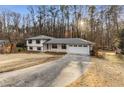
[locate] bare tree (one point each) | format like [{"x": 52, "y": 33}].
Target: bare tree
[{"x": 100, "y": 24}]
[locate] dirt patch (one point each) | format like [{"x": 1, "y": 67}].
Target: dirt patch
[{"x": 103, "y": 73}]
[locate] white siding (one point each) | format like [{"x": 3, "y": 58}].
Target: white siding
[
  {"x": 34, "y": 45},
  {"x": 34, "y": 48},
  {"x": 58, "y": 49},
  {"x": 69, "y": 49}
]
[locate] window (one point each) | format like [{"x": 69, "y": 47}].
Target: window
[
  {"x": 70, "y": 45},
  {"x": 79, "y": 45},
  {"x": 29, "y": 41},
  {"x": 47, "y": 46},
  {"x": 37, "y": 41},
  {"x": 30, "y": 48},
  {"x": 75, "y": 45},
  {"x": 63, "y": 46},
  {"x": 54, "y": 45},
  {"x": 38, "y": 48},
  {"x": 84, "y": 45}
]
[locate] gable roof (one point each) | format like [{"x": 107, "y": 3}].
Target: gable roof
[
  {"x": 41, "y": 37},
  {"x": 68, "y": 41}
]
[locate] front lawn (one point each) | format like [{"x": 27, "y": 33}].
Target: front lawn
[
  {"x": 10, "y": 62},
  {"x": 103, "y": 73}
]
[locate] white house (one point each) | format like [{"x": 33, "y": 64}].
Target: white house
[
  {"x": 36, "y": 43},
  {"x": 69, "y": 45}
]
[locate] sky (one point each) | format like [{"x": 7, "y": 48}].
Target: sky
[
  {"x": 17, "y": 8},
  {"x": 22, "y": 9}
]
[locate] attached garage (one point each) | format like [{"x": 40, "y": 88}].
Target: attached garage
[
  {"x": 73, "y": 45},
  {"x": 79, "y": 49}
]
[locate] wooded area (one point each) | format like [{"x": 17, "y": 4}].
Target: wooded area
[{"x": 100, "y": 24}]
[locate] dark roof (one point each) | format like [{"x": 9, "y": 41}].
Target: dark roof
[
  {"x": 40, "y": 37},
  {"x": 68, "y": 41}
]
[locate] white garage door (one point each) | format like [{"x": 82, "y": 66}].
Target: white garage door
[{"x": 78, "y": 50}]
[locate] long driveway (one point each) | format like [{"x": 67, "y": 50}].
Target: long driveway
[{"x": 57, "y": 73}]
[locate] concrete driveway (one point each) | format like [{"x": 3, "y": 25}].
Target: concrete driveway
[{"x": 57, "y": 73}]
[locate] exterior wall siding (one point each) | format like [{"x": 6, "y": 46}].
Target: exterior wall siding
[
  {"x": 69, "y": 49},
  {"x": 34, "y": 45},
  {"x": 58, "y": 49}
]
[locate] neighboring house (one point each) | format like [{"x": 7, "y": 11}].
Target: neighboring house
[
  {"x": 68, "y": 45},
  {"x": 3, "y": 42},
  {"x": 7, "y": 47},
  {"x": 2, "y": 45}
]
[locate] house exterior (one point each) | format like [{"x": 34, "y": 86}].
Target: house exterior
[
  {"x": 36, "y": 43},
  {"x": 67, "y": 45},
  {"x": 3, "y": 42}
]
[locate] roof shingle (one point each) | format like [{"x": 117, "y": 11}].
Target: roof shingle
[
  {"x": 41, "y": 37},
  {"x": 68, "y": 41}
]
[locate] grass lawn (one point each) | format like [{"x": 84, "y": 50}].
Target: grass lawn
[
  {"x": 10, "y": 62},
  {"x": 103, "y": 73}
]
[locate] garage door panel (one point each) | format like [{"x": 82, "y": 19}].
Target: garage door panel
[{"x": 79, "y": 50}]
